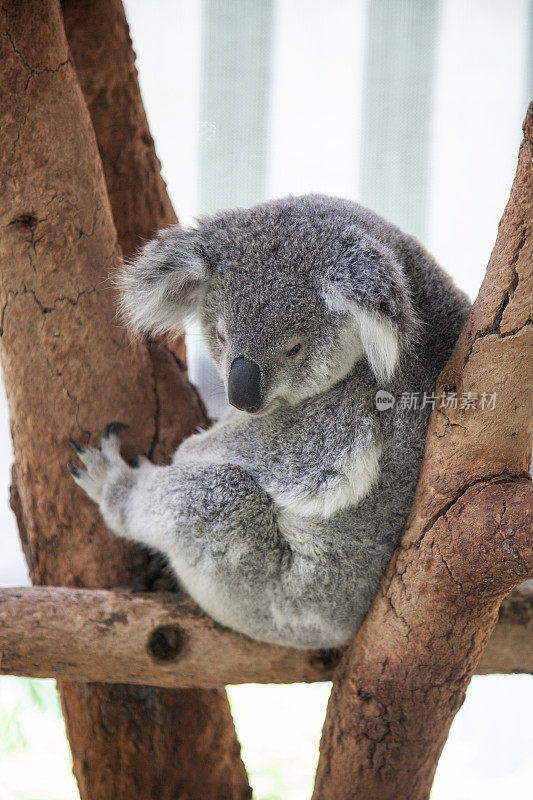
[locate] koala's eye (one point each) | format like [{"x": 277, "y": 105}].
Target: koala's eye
[
  {"x": 293, "y": 352},
  {"x": 220, "y": 336}
]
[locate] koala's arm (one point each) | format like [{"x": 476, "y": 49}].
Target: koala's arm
[{"x": 214, "y": 523}]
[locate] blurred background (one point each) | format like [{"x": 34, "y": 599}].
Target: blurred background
[{"x": 412, "y": 107}]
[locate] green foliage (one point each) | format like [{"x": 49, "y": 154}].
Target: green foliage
[
  {"x": 20, "y": 699},
  {"x": 42, "y": 694},
  {"x": 11, "y": 734}
]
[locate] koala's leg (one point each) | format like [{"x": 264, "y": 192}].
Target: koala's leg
[{"x": 213, "y": 521}]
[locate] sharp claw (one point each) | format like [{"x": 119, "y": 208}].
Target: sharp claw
[
  {"x": 114, "y": 428},
  {"x": 73, "y": 469},
  {"x": 78, "y": 448}
]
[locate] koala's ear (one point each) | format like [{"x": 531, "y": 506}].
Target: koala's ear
[
  {"x": 164, "y": 284},
  {"x": 368, "y": 283}
]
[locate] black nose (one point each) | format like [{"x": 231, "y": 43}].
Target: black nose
[{"x": 244, "y": 385}]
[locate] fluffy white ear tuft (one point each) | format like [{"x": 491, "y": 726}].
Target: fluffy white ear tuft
[
  {"x": 368, "y": 283},
  {"x": 379, "y": 337},
  {"x": 378, "y": 334},
  {"x": 164, "y": 285}
]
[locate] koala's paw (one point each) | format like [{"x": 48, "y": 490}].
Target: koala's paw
[{"x": 104, "y": 467}]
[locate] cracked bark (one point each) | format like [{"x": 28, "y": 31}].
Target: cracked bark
[
  {"x": 99, "y": 41},
  {"x": 468, "y": 541},
  {"x": 69, "y": 368}
]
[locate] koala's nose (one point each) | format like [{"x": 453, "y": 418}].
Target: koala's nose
[{"x": 244, "y": 385}]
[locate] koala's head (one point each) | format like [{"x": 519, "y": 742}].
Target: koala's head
[{"x": 290, "y": 294}]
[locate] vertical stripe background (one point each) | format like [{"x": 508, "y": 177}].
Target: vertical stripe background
[
  {"x": 317, "y": 83},
  {"x": 478, "y": 109},
  {"x": 235, "y": 102},
  {"x": 528, "y": 88},
  {"x": 167, "y": 37},
  {"x": 413, "y": 107},
  {"x": 398, "y": 91}
]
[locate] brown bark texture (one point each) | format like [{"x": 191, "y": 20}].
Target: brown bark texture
[
  {"x": 99, "y": 41},
  {"x": 69, "y": 368},
  {"x": 467, "y": 542},
  {"x": 98, "y": 37},
  {"x": 165, "y": 640}
]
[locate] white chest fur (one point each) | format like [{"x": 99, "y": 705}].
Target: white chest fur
[{"x": 354, "y": 476}]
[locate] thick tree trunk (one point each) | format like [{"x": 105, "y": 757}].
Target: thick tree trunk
[
  {"x": 69, "y": 369},
  {"x": 467, "y": 542}
]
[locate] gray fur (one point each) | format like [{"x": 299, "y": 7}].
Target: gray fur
[{"x": 280, "y": 524}]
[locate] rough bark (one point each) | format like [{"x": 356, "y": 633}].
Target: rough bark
[
  {"x": 99, "y": 41},
  {"x": 467, "y": 542},
  {"x": 165, "y": 640},
  {"x": 98, "y": 36},
  {"x": 69, "y": 368}
]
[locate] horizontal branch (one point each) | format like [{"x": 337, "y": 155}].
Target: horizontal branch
[{"x": 165, "y": 640}]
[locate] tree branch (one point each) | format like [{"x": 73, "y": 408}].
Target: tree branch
[
  {"x": 466, "y": 543},
  {"x": 99, "y": 41},
  {"x": 165, "y": 640}
]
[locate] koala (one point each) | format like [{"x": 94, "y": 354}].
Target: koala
[{"x": 280, "y": 519}]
